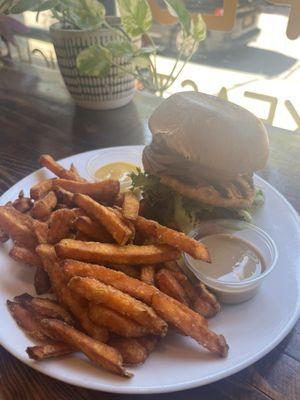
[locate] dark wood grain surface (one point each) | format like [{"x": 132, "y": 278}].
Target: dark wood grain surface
[{"x": 37, "y": 116}]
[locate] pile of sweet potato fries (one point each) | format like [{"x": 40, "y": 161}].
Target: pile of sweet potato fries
[{"x": 114, "y": 275}]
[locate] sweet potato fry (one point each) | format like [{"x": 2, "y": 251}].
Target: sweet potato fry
[
  {"x": 117, "y": 279},
  {"x": 22, "y": 203},
  {"x": 204, "y": 308},
  {"x": 104, "y": 191},
  {"x": 186, "y": 284},
  {"x": 74, "y": 304},
  {"x": 130, "y": 206},
  {"x": 149, "y": 342},
  {"x": 45, "y": 307},
  {"x": 92, "y": 230},
  {"x": 100, "y": 293},
  {"x": 41, "y": 189},
  {"x": 41, "y": 231},
  {"x": 81, "y": 236},
  {"x": 119, "y": 199},
  {"x": 60, "y": 225},
  {"x": 127, "y": 269},
  {"x": 189, "y": 323},
  {"x": 78, "y": 212},
  {"x": 132, "y": 351},
  {"x": 41, "y": 282},
  {"x": 168, "y": 284},
  {"x": 205, "y": 302},
  {"x": 50, "y": 309},
  {"x": 201, "y": 299},
  {"x": 129, "y": 285},
  {"x": 60, "y": 206},
  {"x": 118, "y": 212},
  {"x": 101, "y": 354},
  {"x": 115, "y": 322},
  {"x": 73, "y": 170},
  {"x": 26, "y": 320},
  {"x": 49, "y": 350},
  {"x": 48, "y": 162},
  {"x": 64, "y": 196},
  {"x": 148, "y": 274},
  {"x": 172, "y": 266},
  {"x": 43, "y": 207},
  {"x": 18, "y": 226},
  {"x": 114, "y": 254},
  {"x": 23, "y": 299},
  {"x": 106, "y": 217},
  {"x": 25, "y": 256},
  {"x": 176, "y": 239}
]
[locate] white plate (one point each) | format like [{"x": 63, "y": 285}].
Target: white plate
[{"x": 252, "y": 329}]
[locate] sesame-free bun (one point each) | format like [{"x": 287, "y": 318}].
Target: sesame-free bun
[{"x": 222, "y": 138}]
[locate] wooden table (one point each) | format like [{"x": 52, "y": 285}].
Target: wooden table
[{"x": 37, "y": 116}]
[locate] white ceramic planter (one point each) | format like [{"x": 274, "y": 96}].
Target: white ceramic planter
[{"x": 110, "y": 92}]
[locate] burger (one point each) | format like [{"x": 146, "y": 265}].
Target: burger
[{"x": 201, "y": 161}]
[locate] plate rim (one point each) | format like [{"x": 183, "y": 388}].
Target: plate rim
[{"x": 169, "y": 387}]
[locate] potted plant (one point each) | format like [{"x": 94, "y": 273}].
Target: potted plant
[
  {"x": 136, "y": 20},
  {"x": 100, "y": 57}
]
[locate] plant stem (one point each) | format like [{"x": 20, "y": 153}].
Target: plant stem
[
  {"x": 168, "y": 84},
  {"x": 165, "y": 86},
  {"x": 134, "y": 74},
  {"x": 117, "y": 30},
  {"x": 154, "y": 75},
  {"x": 185, "y": 62}
]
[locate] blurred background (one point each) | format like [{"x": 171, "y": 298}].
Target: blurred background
[{"x": 254, "y": 65}]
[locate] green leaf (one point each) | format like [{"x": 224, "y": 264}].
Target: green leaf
[
  {"x": 85, "y": 14},
  {"x": 17, "y": 7},
  {"x": 141, "y": 62},
  {"x": 94, "y": 61},
  {"x": 259, "y": 199},
  {"x": 138, "y": 57},
  {"x": 178, "y": 9},
  {"x": 7, "y": 5},
  {"x": 127, "y": 69},
  {"x": 121, "y": 48},
  {"x": 198, "y": 28},
  {"x": 146, "y": 51},
  {"x": 136, "y": 16},
  {"x": 245, "y": 215},
  {"x": 183, "y": 219},
  {"x": 46, "y": 5}
]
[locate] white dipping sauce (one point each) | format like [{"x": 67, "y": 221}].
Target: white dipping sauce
[
  {"x": 242, "y": 257},
  {"x": 233, "y": 259}
]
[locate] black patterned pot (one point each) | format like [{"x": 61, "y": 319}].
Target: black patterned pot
[{"x": 90, "y": 92}]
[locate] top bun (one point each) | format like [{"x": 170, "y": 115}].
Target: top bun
[{"x": 222, "y": 138}]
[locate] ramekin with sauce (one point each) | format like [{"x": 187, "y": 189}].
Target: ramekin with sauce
[
  {"x": 114, "y": 163},
  {"x": 242, "y": 254}
]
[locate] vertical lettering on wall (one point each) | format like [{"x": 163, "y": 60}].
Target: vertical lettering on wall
[
  {"x": 190, "y": 83},
  {"x": 294, "y": 114},
  {"x": 293, "y": 26},
  {"x": 223, "y": 94},
  {"x": 273, "y": 101}
]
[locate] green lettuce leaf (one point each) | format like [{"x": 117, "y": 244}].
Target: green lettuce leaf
[
  {"x": 176, "y": 211},
  {"x": 259, "y": 197}
]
